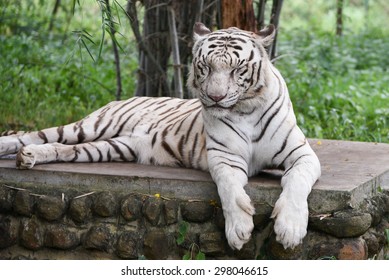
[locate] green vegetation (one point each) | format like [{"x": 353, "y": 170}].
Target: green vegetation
[
  {"x": 339, "y": 85},
  {"x": 193, "y": 252}
]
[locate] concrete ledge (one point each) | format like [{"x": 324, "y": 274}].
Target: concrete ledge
[
  {"x": 351, "y": 172},
  {"x": 354, "y": 175}
]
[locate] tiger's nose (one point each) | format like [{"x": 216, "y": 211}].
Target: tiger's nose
[{"x": 217, "y": 98}]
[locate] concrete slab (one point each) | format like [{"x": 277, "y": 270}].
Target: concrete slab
[{"x": 351, "y": 172}]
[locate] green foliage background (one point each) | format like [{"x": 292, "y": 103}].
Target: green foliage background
[{"x": 339, "y": 85}]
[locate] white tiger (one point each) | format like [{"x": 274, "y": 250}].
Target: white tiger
[{"x": 242, "y": 123}]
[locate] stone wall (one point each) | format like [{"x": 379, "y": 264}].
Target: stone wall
[{"x": 60, "y": 223}]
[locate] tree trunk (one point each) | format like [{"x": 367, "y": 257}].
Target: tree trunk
[{"x": 238, "y": 13}]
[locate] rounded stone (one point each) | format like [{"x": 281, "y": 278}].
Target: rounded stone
[
  {"x": 50, "y": 208},
  {"x": 23, "y": 204},
  {"x": 105, "y": 204},
  {"x": 131, "y": 208},
  {"x": 152, "y": 209},
  {"x": 127, "y": 245},
  {"x": 197, "y": 211},
  {"x": 353, "y": 249},
  {"x": 31, "y": 234},
  {"x": 8, "y": 231},
  {"x": 348, "y": 223},
  {"x": 61, "y": 237},
  {"x": 99, "y": 238},
  {"x": 80, "y": 209}
]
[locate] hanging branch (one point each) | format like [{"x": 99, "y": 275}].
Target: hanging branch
[
  {"x": 112, "y": 32},
  {"x": 179, "y": 92},
  {"x": 53, "y": 14},
  {"x": 275, "y": 18}
]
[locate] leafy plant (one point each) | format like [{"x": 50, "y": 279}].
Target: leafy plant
[{"x": 193, "y": 252}]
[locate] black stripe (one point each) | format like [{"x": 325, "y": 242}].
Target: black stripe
[
  {"x": 154, "y": 139},
  {"x": 217, "y": 142},
  {"x": 269, "y": 108},
  {"x": 291, "y": 152},
  {"x": 289, "y": 169},
  {"x": 60, "y": 131},
  {"x": 132, "y": 152},
  {"x": 81, "y": 135},
  {"x": 42, "y": 136},
  {"x": 251, "y": 55},
  {"x": 234, "y": 166},
  {"x": 233, "y": 129},
  {"x": 284, "y": 143},
  {"x": 117, "y": 149},
  {"x": 169, "y": 150},
  {"x": 100, "y": 155},
  {"x": 191, "y": 126},
  {"x": 281, "y": 123},
  {"x": 76, "y": 152},
  {"x": 103, "y": 130},
  {"x": 193, "y": 150},
  {"x": 90, "y": 158},
  {"x": 263, "y": 131}
]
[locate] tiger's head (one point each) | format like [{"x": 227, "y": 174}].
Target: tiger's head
[{"x": 228, "y": 67}]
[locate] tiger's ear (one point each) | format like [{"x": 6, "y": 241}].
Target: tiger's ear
[
  {"x": 267, "y": 35},
  {"x": 200, "y": 30}
]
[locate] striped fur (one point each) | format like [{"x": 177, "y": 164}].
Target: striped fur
[{"x": 242, "y": 123}]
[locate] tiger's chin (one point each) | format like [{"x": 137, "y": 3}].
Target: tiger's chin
[{"x": 217, "y": 111}]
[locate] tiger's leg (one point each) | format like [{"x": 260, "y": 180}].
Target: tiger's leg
[
  {"x": 291, "y": 209},
  {"x": 236, "y": 204},
  {"x": 85, "y": 130},
  {"x": 116, "y": 149}
]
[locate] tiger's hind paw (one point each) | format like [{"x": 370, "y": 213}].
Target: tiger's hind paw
[{"x": 25, "y": 159}]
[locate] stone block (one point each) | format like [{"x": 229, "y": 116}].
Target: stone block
[
  {"x": 50, "y": 208},
  {"x": 347, "y": 223},
  {"x": 212, "y": 243},
  {"x": 152, "y": 209},
  {"x": 23, "y": 203},
  {"x": 31, "y": 234},
  {"x": 105, "y": 204},
  {"x": 6, "y": 199},
  {"x": 61, "y": 237},
  {"x": 197, "y": 211},
  {"x": 131, "y": 208},
  {"x": 127, "y": 245},
  {"x": 158, "y": 245},
  {"x": 219, "y": 218},
  {"x": 171, "y": 212},
  {"x": 8, "y": 231},
  {"x": 80, "y": 209},
  {"x": 275, "y": 250},
  {"x": 99, "y": 238},
  {"x": 248, "y": 251}
]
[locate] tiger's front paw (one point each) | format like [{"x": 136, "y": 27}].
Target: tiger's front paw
[
  {"x": 239, "y": 222},
  {"x": 290, "y": 222},
  {"x": 25, "y": 159}
]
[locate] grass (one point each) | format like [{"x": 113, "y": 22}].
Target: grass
[{"x": 339, "y": 85}]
